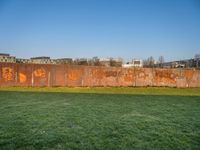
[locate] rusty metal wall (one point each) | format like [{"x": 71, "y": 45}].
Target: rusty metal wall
[
  {"x": 8, "y": 74},
  {"x": 24, "y": 74},
  {"x": 12, "y": 74}
]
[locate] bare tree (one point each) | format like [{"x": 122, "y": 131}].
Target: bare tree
[
  {"x": 161, "y": 60},
  {"x": 117, "y": 62},
  {"x": 95, "y": 61},
  {"x": 149, "y": 62},
  {"x": 197, "y": 58}
]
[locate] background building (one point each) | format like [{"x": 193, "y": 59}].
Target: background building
[
  {"x": 42, "y": 60},
  {"x": 133, "y": 63},
  {"x": 80, "y": 61},
  {"x": 137, "y": 63},
  {"x": 116, "y": 62},
  {"x": 7, "y": 58},
  {"x": 107, "y": 62},
  {"x": 104, "y": 62},
  {"x": 64, "y": 61},
  {"x": 22, "y": 60}
]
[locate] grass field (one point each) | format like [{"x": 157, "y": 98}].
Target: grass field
[{"x": 99, "y": 118}]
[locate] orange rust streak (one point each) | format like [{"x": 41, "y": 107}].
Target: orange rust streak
[
  {"x": 165, "y": 76},
  {"x": 40, "y": 72},
  {"x": 22, "y": 78},
  {"x": 7, "y": 73},
  {"x": 74, "y": 75}
]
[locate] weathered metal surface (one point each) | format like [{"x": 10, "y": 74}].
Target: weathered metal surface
[
  {"x": 8, "y": 74},
  {"x": 74, "y": 75},
  {"x": 24, "y": 74},
  {"x": 166, "y": 77},
  {"x": 41, "y": 75},
  {"x": 12, "y": 74},
  {"x": 57, "y": 75},
  {"x": 192, "y": 78},
  {"x": 126, "y": 77},
  {"x": 144, "y": 77}
]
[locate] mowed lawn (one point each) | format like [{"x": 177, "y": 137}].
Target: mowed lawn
[{"x": 65, "y": 120}]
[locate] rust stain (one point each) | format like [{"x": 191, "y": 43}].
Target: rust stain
[
  {"x": 165, "y": 76},
  {"x": 7, "y": 73},
  {"x": 22, "y": 78},
  {"x": 129, "y": 76},
  {"x": 100, "y": 73},
  {"x": 188, "y": 74},
  {"x": 141, "y": 74},
  {"x": 97, "y": 73},
  {"x": 40, "y": 72},
  {"x": 110, "y": 73},
  {"x": 74, "y": 74}
]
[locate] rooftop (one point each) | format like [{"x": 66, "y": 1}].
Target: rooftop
[
  {"x": 4, "y": 54},
  {"x": 41, "y": 57}
]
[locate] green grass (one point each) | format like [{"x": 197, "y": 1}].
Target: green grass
[
  {"x": 143, "y": 118},
  {"x": 111, "y": 90}
]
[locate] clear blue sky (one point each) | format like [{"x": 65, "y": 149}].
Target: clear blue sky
[{"x": 87, "y": 28}]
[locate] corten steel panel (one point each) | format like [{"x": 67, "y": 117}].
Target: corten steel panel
[
  {"x": 166, "y": 77},
  {"x": 12, "y": 74},
  {"x": 74, "y": 75},
  {"x": 106, "y": 76},
  {"x": 126, "y": 77},
  {"x": 24, "y": 74},
  {"x": 58, "y": 75},
  {"x": 101, "y": 76},
  {"x": 182, "y": 80},
  {"x": 96, "y": 76},
  {"x": 41, "y": 75},
  {"x": 8, "y": 74},
  {"x": 89, "y": 77},
  {"x": 111, "y": 76},
  {"x": 143, "y": 76},
  {"x": 192, "y": 78}
]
